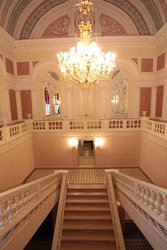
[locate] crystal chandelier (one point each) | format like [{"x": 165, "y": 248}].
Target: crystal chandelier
[{"x": 87, "y": 65}]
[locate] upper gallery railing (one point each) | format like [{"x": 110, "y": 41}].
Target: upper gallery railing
[
  {"x": 87, "y": 125},
  {"x": 149, "y": 200},
  {"x": 21, "y": 204},
  {"x": 10, "y": 132}
]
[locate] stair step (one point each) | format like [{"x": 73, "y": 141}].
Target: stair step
[
  {"x": 85, "y": 200},
  {"x": 86, "y": 207},
  {"x": 87, "y": 204},
  {"x": 87, "y": 225},
  {"x": 88, "y": 213},
  {"x": 86, "y": 186},
  {"x": 87, "y": 217},
  {"x": 69, "y": 245},
  {"x": 88, "y": 236},
  {"x": 87, "y": 194}
]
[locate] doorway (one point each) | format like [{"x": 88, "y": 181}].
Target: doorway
[{"x": 86, "y": 153}]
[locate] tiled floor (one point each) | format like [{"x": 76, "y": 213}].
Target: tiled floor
[{"x": 87, "y": 175}]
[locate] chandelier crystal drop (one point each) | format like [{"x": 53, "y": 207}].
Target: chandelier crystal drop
[{"x": 86, "y": 65}]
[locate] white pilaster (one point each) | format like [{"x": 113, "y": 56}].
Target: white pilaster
[
  {"x": 35, "y": 109},
  {"x": 103, "y": 100},
  {"x": 69, "y": 102},
  {"x": 164, "y": 105},
  {"x": 18, "y": 102},
  {"x": 153, "y": 100},
  {"x": 137, "y": 101}
]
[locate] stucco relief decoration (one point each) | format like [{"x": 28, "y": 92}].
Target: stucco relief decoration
[
  {"x": 58, "y": 28},
  {"x": 111, "y": 26},
  {"x": 77, "y": 19}
]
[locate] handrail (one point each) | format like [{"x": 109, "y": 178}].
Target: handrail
[
  {"x": 87, "y": 125},
  {"x": 157, "y": 128},
  {"x": 19, "y": 204},
  {"x": 56, "y": 243},
  {"x": 10, "y": 132},
  {"x": 150, "y": 199},
  {"x": 13, "y": 131},
  {"x": 114, "y": 213}
]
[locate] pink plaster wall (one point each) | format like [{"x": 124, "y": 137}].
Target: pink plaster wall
[
  {"x": 26, "y": 103},
  {"x": 145, "y": 101},
  {"x": 159, "y": 101},
  {"x": 53, "y": 151},
  {"x": 161, "y": 61},
  {"x": 147, "y": 65},
  {"x": 23, "y": 68},
  {"x": 117, "y": 151},
  {"x": 9, "y": 66},
  {"x": 13, "y": 104},
  {"x": 16, "y": 164},
  {"x": 153, "y": 160}
]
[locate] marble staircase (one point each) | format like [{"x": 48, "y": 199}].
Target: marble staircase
[{"x": 87, "y": 219}]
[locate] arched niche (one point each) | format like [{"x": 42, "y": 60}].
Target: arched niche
[
  {"x": 123, "y": 83},
  {"x": 46, "y": 75}
]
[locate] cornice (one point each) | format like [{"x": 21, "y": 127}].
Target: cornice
[
  {"x": 161, "y": 35},
  {"x": 6, "y": 39},
  {"x": 66, "y": 43}
]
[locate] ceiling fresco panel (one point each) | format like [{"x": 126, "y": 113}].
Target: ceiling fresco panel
[
  {"x": 36, "y": 15},
  {"x": 133, "y": 13},
  {"x": 21, "y": 17},
  {"x": 153, "y": 12}
]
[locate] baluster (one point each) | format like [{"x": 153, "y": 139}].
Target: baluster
[
  {"x": 17, "y": 205},
  {"x": 157, "y": 204},
  {"x": 146, "y": 197},
  {"x": 151, "y": 201},
  {"x": 136, "y": 191},
  {"x": 12, "y": 208},
  {"x": 3, "y": 215},
  {"x": 164, "y": 207},
  {"x": 142, "y": 194},
  {"x": 24, "y": 200}
]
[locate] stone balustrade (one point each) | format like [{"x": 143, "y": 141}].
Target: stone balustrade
[
  {"x": 19, "y": 205},
  {"x": 149, "y": 200},
  {"x": 10, "y": 132},
  {"x": 87, "y": 125},
  {"x": 13, "y": 131},
  {"x": 155, "y": 127}
]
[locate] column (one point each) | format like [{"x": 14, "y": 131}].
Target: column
[
  {"x": 136, "y": 101},
  {"x": 103, "y": 101},
  {"x": 69, "y": 99},
  {"x": 35, "y": 109},
  {"x": 18, "y": 102},
  {"x": 153, "y": 101},
  {"x": 164, "y": 105}
]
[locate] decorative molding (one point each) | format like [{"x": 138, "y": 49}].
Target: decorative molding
[
  {"x": 57, "y": 28},
  {"x": 110, "y": 26}
]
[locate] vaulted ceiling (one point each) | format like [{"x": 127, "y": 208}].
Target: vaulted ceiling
[{"x": 25, "y": 19}]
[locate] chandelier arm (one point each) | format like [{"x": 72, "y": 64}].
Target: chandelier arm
[{"x": 78, "y": 82}]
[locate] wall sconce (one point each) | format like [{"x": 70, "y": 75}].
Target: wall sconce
[
  {"x": 73, "y": 142},
  {"x": 99, "y": 142}
]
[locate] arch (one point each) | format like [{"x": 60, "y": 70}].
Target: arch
[
  {"x": 39, "y": 78},
  {"x": 131, "y": 69}
]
